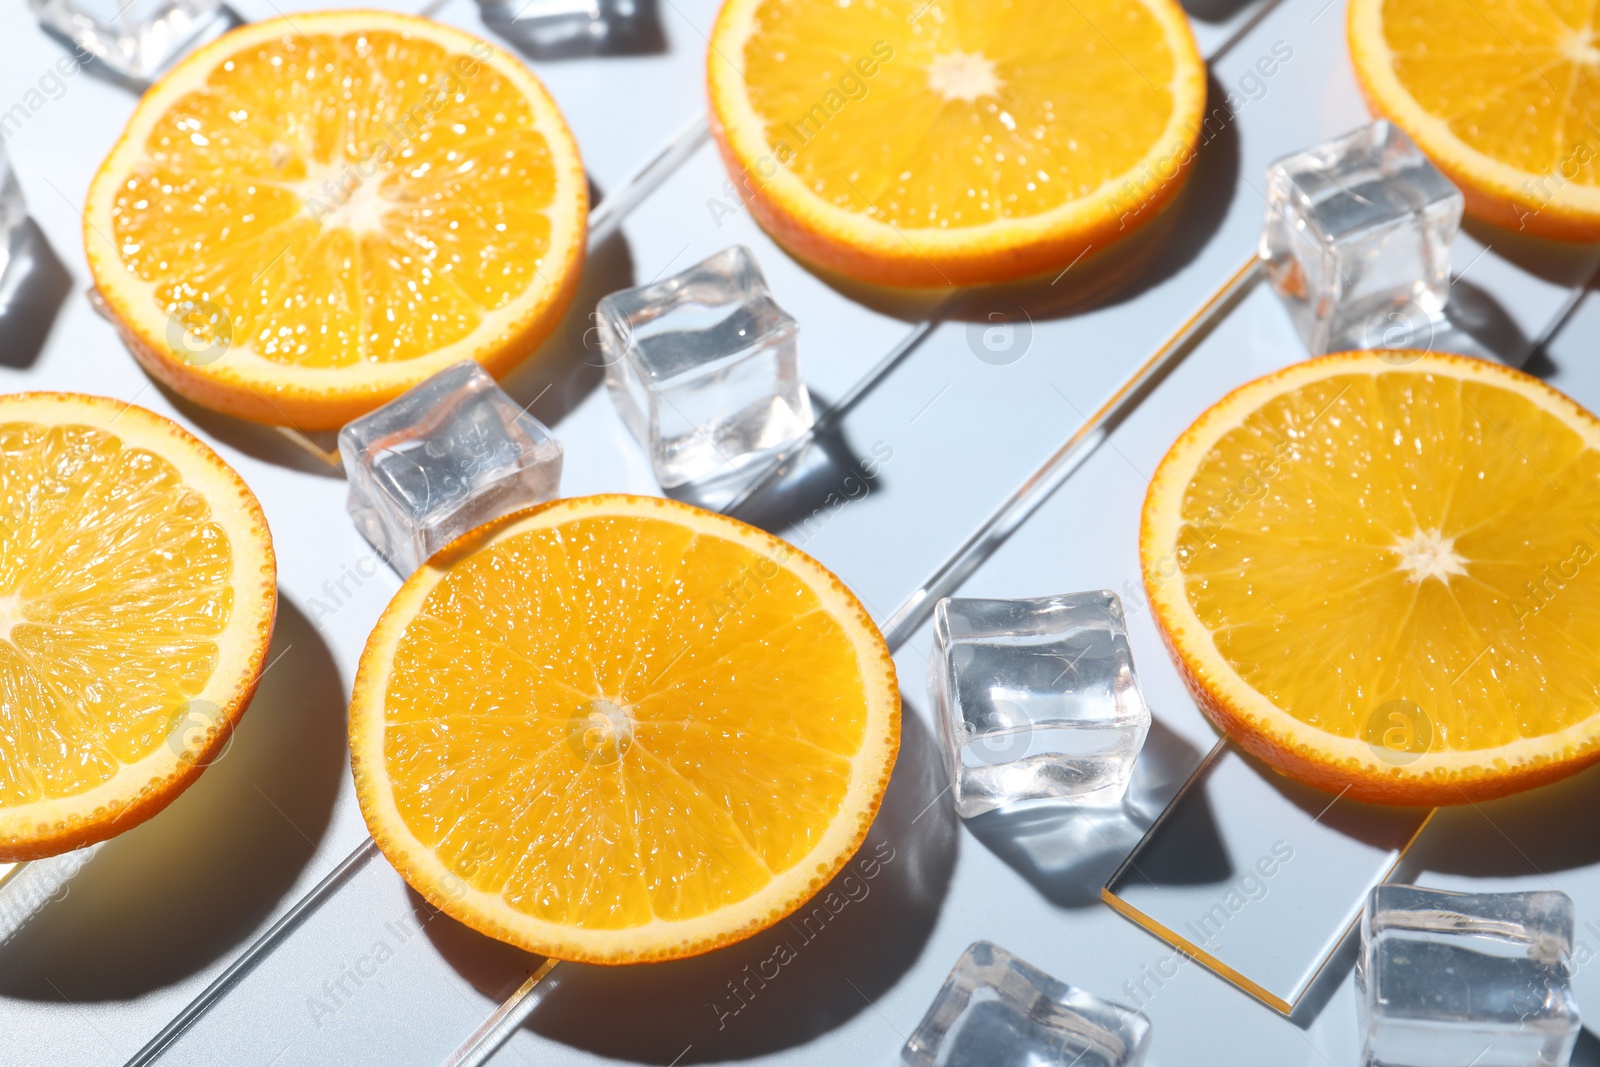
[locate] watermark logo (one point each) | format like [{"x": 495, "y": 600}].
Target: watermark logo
[
  {"x": 341, "y": 590},
  {"x": 1541, "y": 192},
  {"x": 1137, "y": 192},
  {"x": 1002, "y": 336},
  {"x": 600, "y": 732},
  {"x": 858, "y": 484},
  {"x": 49, "y": 86},
  {"x": 1555, "y": 577},
  {"x": 586, "y": 337},
  {"x": 849, "y": 86},
  {"x": 199, "y": 720},
  {"x": 38, "y": 884},
  {"x": 1004, "y": 738},
  {"x": 342, "y": 987},
  {"x": 1207, "y": 927},
  {"x": 852, "y": 886},
  {"x": 1401, "y": 333},
  {"x": 1398, "y": 732},
  {"x": 852, "y": 85},
  {"x": 199, "y": 332}
]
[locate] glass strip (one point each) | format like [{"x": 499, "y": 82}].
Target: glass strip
[
  {"x": 28, "y": 886},
  {"x": 259, "y": 950}
]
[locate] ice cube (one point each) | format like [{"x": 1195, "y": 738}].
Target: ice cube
[
  {"x": 564, "y": 26},
  {"x": 705, "y": 368},
  {"x": 1357, "y": 240},
  {"x": 135, "y": 40},
  {"x": 451, "y": 454},
  {"x": 1446, "y": 979},
  {"x": 1035, "y": 700},
  {"x": 13, "y": 211},
  {"x": 997, "y": 1011}
]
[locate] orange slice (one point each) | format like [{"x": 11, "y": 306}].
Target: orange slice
[
  {"x": 954, "y": 142},
  {"x": 1503, "y": 96},
  {"x": 137, "y": 592},
  {"x": 1381, "y": 574},
  {"x": 310, "y": 215},
  {"x": 620, "y": 729}
]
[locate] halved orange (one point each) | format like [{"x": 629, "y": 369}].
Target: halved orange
[
  {"x": 310, "y": 215},
  {"x": 1380, "y": 572},
  {"x": 1503, "y": 96},
  {"x": 620, "y": 729},
  {"x": 137, "y": 595},
  {"x": 954, "y": 142}
]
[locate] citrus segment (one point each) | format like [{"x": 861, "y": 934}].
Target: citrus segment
[
  {"x": 925, "y": 143},
  {"x": 1503, "y": 96},
  {"x": 1386, "y": 578},
  {"x": 308, "y": 216},
  {"x": 619, "y": 729},
  {"x": 136, "y": 602}
]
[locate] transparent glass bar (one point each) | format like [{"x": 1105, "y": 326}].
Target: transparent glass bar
[
  {"x": 27, "y": 887},
  {"x": 323, "y": 444},
  {"x": 1259, "y": 877}
]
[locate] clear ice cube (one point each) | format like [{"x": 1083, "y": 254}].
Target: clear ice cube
[
  {"x": 1035, "y": 700},
  {"x": 450, "y": 454},
  {"x": 1357, "y": 240},
  {"x": 563, "y": 26},
  {"x": 705, "y": 368},
  {"x": 998, "y": 1011},
  {"x": 136, "y": 40},
  {"x": 13, "y": 211},
  {"x": 1447, "y": 979}
]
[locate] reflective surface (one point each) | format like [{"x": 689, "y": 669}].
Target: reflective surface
[{"x": 1256, "y": 876}]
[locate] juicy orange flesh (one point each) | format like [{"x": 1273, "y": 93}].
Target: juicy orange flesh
[
  {"x": 615, "y": 720},
  {"x": 975, "y": 110},
  {"x": 114, "y": 586},
  {"x": 1289, "y": 552},
  {"x": 1518, "y": 80},
  {"x": 332, "y": 200}
]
